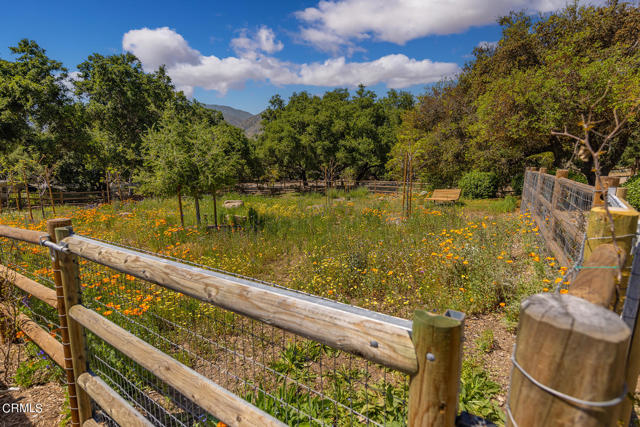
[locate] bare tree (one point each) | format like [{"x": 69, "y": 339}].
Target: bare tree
[{"x": 585, "y": 146}]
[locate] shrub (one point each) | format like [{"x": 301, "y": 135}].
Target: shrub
[
  {"x": 578, "y": 177},
  {"x": 479, "y": 185},
  {"x": 508, "y": 204},
  {"x": 517, "y": 182},
  {"x": 36, "y": 369},
  {"x": 478, "y": 391},
  {"x": 633, "y": 191}
]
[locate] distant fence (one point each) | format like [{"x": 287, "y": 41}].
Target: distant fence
[
  {"x": 149, "y": 340},
  {"x": 386, "y": 187},
  {"x": 560, "y": 208},
  {"x": 39, "y": 199}
]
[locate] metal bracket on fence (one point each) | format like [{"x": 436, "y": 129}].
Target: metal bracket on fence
[{"x": 54, "y": 248}]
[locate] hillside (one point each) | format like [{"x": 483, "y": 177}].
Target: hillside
[
  {"x": 252, "y": 126},
  {"x": 246, "y": 121}
]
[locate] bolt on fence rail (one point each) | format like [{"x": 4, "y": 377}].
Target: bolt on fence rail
[{"x": 172, "y": 343}]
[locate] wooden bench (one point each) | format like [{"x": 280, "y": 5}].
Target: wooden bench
[{"x": 451, "y": 195}]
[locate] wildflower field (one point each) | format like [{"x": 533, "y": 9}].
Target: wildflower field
[
  {"x": 478, "y": 257},
  {"x": 472, "y": 257}
]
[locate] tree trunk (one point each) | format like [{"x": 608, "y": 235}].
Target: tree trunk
[
  {"x": 42, "y": 203},
  {"x": 410, "y": 185},
  {"x": 180, "y": 208},
  {"x": 404, "y": 184},
  {"x": 106, "y": 178},
  {"x": 46, "y": 180},
  {"x": 26, "y": 188},
  {"x": 215, "y": 210},
  {"x": 197, "y": 200}
]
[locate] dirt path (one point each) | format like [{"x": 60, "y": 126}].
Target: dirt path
[{"x": 42, "y": 405}]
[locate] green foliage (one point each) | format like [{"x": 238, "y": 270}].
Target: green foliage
[
  {"x": 633, "y": 191},
  {"x": 37, "y": 368},
  {"x": 543, "y": 75},
  {"x": 485, "y": 342},
  {"x": 508, "y": 204},
  {"x": 123, "y": 103},
  {"x": 517, "y": 182},
  {"x": 541, "y": 160},
  {"x": 577, "y": 176},
  {"x": 477, "y": 392},
  {"x": 255, "y": 221},
  {"x": 336, "y": 135},
  {"x": 478, "y": 185}
]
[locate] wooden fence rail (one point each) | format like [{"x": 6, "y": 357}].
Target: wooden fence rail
[
  {"x": 574, "y": 358},
  {"x": 429, "y": 349}
]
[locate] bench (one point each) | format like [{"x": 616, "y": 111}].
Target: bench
[{"x": 451, "y": 195}]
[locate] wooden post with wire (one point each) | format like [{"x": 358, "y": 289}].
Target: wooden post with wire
[
  {"x": 570, "y": 356},
  {"x": 62, "y": 316},
  {"x": 433, "y": 390},
  {"x": 70, "y": 278}
]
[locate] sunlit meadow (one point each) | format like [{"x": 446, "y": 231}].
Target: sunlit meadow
[{"x": 356, "y": 248}]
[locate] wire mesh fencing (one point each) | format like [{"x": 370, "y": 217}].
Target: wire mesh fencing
[
  {"x": 560, "y": 207},
  {"x": 296, "y": 380},
  {"x": 33, "y": 262}
]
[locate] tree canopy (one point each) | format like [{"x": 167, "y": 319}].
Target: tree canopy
[
  {"x": 507, "y": 106},
  {"x": 549, "y": 89}
]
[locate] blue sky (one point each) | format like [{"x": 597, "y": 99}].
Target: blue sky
[{"x": 240, "y": 53}]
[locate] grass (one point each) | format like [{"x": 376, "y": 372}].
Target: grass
[
  {"x": 486, "y": 342},
  {"x": 359, "y": 251},
  {"x": 354, "y": 247},
  {"x": 37, "y": 368}
]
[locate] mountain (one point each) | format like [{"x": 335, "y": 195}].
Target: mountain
[
  {"x": 246, "y": 121},
  {"x": 231, "y": 115},
  {"x": 252, "y": 126}
]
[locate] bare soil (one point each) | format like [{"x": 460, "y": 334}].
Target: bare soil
[
  {"x": 497, "y": 360},
  {"x": 50, "y": 396}
]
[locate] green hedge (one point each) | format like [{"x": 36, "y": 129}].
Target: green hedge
[
  {"x": 479, "y": 185},
  {"x": 633, "y": 191}
]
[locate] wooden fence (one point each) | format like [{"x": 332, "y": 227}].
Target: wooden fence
[
  {"x": 283, "y": 187},
  {"x": 561, "y": 208},
  {"x": 576, "y": 360},
  {"x": 427, "y": 349}
]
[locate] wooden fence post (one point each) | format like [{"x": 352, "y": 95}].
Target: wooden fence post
[
  {"x": 433, "y": 390},
  {"x": 52, "y": 224},
  {"x": 601, "y": 190},
  {"x": 621, "y": 192},
  {"x": 625, "y": 223},
  {"x": 70, "y": 277},
  {"x": 573, "y": 347}
]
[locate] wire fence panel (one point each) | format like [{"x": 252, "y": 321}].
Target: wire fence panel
[
  {"x": 34, "y": 262},
  {"x": 298, "y": 381},
  {"x": 559, "y": 207}
]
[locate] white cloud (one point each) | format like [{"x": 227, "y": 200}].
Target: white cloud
[
  {"x": 397, "y": 71},
  {"x": 487, "y": 45},
  {"x": 263, "y": 41},
  {"x": 398, "y": 21},
  {"x": 155, "y": 47},
  {"x": 67, "y": 82},
  {"x": 188, "y": 68}
]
